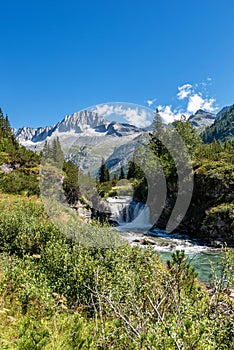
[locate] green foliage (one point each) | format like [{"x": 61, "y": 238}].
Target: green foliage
[
  {"x": 56, "y": 293},
  {"x": 121, "y": 175},
  {"x": 19, "y": 182},
  {"x": 22, "y": 178},
  {"x": 189, "y": 135},
  {"x": 5, "y": 129},
  {"x": 32, "y": 335},
  {"x": 104, "y": 175},
  {"x": 184, "y": 274},
  {"x": 134, "y": 170},
  {"x": 71, "y": 182},
  {"x": 53, "y": 153},
  {"x": 157, "y": 136},
  {"x": 104, "y": 183},
  {"x": 104, "y": 188},
  {"x": 222, "y": 129},
  {"x": 62, "y": 295}
]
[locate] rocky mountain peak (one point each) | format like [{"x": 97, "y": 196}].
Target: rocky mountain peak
[
  {"x": 202, "y": 119},
  {"x": 81, "y": 121}
]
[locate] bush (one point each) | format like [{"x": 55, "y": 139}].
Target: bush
[{"x": 62, "y": 295}]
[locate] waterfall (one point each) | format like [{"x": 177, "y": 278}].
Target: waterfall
[
  {"x": 129, "y": 214},
  {"x": 119, "y": 207}
]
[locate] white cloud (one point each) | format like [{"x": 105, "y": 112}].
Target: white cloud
[
  {"x": 151, "y": 102},
  {"x": 133, "y": 115},
  {"x": 169, "y": 115},
  {"x": 196, "y": 102},
  {"x": 193, "y": 100},
  {"x": 104, "y": 110},
  {"x": 137, "y": 117},
  {"x": 192, "y": 97},
  {"x": 184, "y": 91}
]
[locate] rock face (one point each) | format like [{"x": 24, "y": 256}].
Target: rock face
[
  {"x": 86, "y": 137},
  {"x": 84, "y": 123},
  {"x": 210, "y": 216},
  {"x": 25, "y": 134},
  {"x": 83, "y": 211},
  {"x": 81, "y": 122},
  {"x": 202, "y": 119}
]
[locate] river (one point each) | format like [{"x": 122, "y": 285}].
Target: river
[{"x": 134, "y": 225}]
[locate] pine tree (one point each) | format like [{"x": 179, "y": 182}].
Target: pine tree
[
  {"x": 46, "y": 151},
  {"x": 131, "y": 170},
  {"x": 134, "y": 170},
  {"x": 121, "y": 175},
  {"x": 70, "y": 183},
  {"x": 2, "y": 122},
  {"x": 115, "y": 179},
  {"x": 188, "y": 133},
  {"x": 104, "y": 175},
  {"x": 157, "y": 136},
  {"x": 57, "y": 153},
  {"x": 5, "y": 128}
]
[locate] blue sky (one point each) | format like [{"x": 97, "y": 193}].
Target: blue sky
[{"x": 58, "y": 57}]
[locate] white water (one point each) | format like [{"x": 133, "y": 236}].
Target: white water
[
  {"x": 119, "y": 207},
  {"x": 128, "y": 214},
  {"x": 140, "y": 222},
  {"x": 134, "y": 224}
]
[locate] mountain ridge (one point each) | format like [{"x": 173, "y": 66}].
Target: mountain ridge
[
  {"x": 86, "y": 137},
  {"x": 201, "y": 119},
  {"x": 223, "y": 127},
  {"x": 84, "y": 122}
]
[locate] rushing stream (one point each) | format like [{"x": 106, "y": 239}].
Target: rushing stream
[{"x": 134, "y": 224}]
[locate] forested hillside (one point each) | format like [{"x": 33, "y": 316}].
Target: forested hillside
[
  {"x": 19, "y": 167},
  {"x": 222, "y": 129},
  {"x": 210, "y": 215}
]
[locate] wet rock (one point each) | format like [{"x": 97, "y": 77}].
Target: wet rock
[
  {"x": 216, "y": 244},
  {"x": 144, "y": 241},
  {"x": 6, "y": 168}
]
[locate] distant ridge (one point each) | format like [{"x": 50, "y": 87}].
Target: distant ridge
[
  {"x": 83, "y": 123},
  {"x": 86, "y": 137},
  {"x": 201, "y": 119},
  {"x": 223, "y": 127}
]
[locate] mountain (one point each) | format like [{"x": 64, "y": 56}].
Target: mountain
[
  {"x": 223, "y": 127},
  {"x": 81, "y": 123},
  {"x": 85, "y": 137},
  {"x": 77, "y": 123},
  {"x": 224, "y": 109},
  {"x": 26, "y": 135},
  {"x": 202, "y": 119}
]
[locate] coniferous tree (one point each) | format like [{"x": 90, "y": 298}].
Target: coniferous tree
[
  {"x": 57, "y": 152},
  {"x": 46, "y": 151},
  {"x": 70, "y": 183},
  {"x": 134, "y": 171},
  {"x": 121, "y": 175},
  {"x": 115, "y": 179},
  {"x": 131, "y": 170},
  {"x": 5, "y": 128},
  {"x": 104, "y": 175},
  {"x": 188, "y": 133},
  {"x": 157, "y": 136}
]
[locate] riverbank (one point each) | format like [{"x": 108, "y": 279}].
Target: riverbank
[
  {"x": 201, "y": 256},
  {"x": 57, "y": 293}
]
